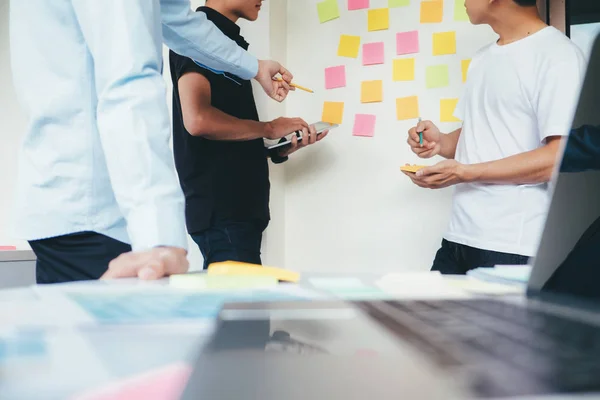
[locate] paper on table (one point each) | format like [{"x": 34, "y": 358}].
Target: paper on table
[
  {"x": 348, "y": 288},
  {"x": 420, "y": 285},
  {"x": 357, "y": 4},
  {"x": 464, "y": 66},
  {"x": 8, "y": 248},
  {"x": 477, "y": 286},
  {"x": 379, "y": 19},
  {"x": 328, "y": 10},
  {"x": 349, "y": 46},
  {"x": 432, "y": 11},
  {"x": 460, "y": 12},
  {"x": 407, "y": 42},
  {"x": 373, "y": 53},
  {"x": 364, "y": 125},
  {"x": 371, "y": 92},
  {"x": 437, "y": 76},
  {"x": 447, "y": 107},
  {"x": 398, "y": 3},
  {"x": 333, "y": 112},
  {"x": 221, "y": 282},
  {"x": 404, "y": 69},
  {"x": 444, "y": 43},
  {"x": 407, "y": 108},
  {"x": 335, "y": 77}
]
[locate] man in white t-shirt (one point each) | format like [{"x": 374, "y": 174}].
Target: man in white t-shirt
[{"x": 518, "y": 102}]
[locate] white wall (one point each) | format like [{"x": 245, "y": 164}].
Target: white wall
[{"x": 348, "y": 207}]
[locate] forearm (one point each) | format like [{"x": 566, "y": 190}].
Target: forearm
[
  {"x": 214, "y": 124},
  {"x": 448, "y": 144},
  {"x": 532, "y": 167}
]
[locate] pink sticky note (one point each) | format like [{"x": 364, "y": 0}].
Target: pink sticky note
[
  {"x": 7, "y": 248},
  {"x": 407, "y": 42},
  {"x": 373, "y": 53},
  {"x": 166, "y": 383},
  {"x": 358, "y": 4},
  {"x": 364, "y": 125},
  {"x": 335, "y": 77}
]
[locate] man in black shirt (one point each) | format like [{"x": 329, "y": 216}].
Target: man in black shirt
[{"x": 219, "y": 149}]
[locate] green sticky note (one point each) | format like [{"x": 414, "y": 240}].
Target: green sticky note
[
  {"x": 460, "y": 12},
  {"x": 398, "y": 3},
  {"x": 437, "y": 76},
  {"x": 328, "y": 10}
]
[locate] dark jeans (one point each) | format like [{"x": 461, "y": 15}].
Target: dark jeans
[
  {"x": 77, "y": 257},
  {"x": 230, "y": 241},
  {"x": 454, "y": 258}
]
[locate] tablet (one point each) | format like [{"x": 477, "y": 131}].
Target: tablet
[{"x": 319, "y": 126}]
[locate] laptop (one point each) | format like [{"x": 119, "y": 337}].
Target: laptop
[{"x": 545, "y": 343}]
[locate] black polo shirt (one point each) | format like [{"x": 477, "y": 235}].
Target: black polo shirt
[{"x": 221, "y": 180}]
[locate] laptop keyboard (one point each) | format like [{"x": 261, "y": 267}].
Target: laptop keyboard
[{"x": 504, "y": 349}]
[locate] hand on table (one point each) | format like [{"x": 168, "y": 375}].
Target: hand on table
[
  {"x": 309, "y": 137},
  {"x": 148, "y": 265},
  {"x": 431, "y": 139}
]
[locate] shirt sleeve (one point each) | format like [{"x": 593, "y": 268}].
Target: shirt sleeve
[
  {"x": 558, "y": 94},
  {"x": 192, "y": 35},
  {"x": 132, "y": 117}
]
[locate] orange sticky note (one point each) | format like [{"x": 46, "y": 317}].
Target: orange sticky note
[
  {"x": 379, "y": 19},
  {"x": 447, "y": 107},
  {"x": 371, "y": 92},
  {"x": 464, "y": 66},
  {"x": 404, "y": 69},
  {"x": 407, "y": 108},
  {"x": 349, "y": 46},
  {"x": 432, "y": 11},
  {"x": 444, "y": 43},
  {"x": 333, "y": 112}
]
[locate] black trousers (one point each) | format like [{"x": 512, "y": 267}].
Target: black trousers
[
  {"x": 457, "y": 259},
  {"x": 76, "y": 257}
]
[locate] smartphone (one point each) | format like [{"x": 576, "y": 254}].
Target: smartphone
[{"x": 287, "y": 141}]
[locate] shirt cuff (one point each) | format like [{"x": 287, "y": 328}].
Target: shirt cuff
[
  {"x": 249, "y": 66},
  {"x": 157, "y": 225}
]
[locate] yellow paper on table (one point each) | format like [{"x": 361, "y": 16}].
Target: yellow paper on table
[
  {"x": 407, "y": 108},
  {"x": 233, "y": 268},
  {"x": 432, "y": 11},
  {"x": 444, "y": 43},
  {"x": 411, "y": 168},
  {"x": 404, "y": 69},
  {"x": 349, "y": 46},
  {"x": 379, "y": 19},
  {"x": 447, "y": 107},
  {"x": 371, "y": 92},
  {"x": 333, "y": 112},
  {"x": 464, "y": 66}
]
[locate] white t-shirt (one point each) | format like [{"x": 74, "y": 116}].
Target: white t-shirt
[{"x": 515, "y": 97}]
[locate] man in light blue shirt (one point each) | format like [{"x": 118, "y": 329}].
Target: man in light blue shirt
[{"x": 96, "y": 173}]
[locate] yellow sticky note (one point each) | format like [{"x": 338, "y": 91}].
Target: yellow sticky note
[
  {"x": 349, "y": 46},
  {"x": 412, "y": 168},
  {"x": 379, "y": 19},
  {"x": 444, "y": 43},
  {"x": 447, "y": 107},
  {"x": 371, "y": 92},
  {"x": 404, "y": 69},
  {"x": 333, "y": 112},
  {"x": 407, "y": 108},
  {"x": 432, "y": 11},
  {"x": 464, "y": 66}
]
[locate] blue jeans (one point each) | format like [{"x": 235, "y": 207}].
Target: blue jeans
[
  {"x": 455, "y": 258},
  {"x": 230, "y": 241}
]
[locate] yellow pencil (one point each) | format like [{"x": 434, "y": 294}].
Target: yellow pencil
[{"x": 297, "y": 86}]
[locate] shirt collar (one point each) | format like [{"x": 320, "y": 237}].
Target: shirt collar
[{"x": 225, "y": 25}]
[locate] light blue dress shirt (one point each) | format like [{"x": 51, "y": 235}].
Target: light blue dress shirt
[{"x": 96, "y": 154}]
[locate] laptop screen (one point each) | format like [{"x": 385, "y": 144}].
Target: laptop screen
[{"x": 568, "y": 259}]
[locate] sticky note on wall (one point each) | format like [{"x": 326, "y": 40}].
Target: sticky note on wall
[
  {"x": 432, "y": 11},
  {"x": 407, "y": 43},
  {"x": 358, "y": 4},
  {"x": 464, "y": 66},
  {"x": 371, "y": 92},
  {"x": 460, "y": 12},
  {"x": 373, "y": 53},
  {"x": 349, "y": 46},
  {"x": 447, "y": 107},
  {"x": 398, "y": 3},
  {"x": 444, "y": 43},
  {"x": 437, "y": 76},
  {"x": 335, "y": 77},
  {"x": 404, "y": 69},
  {"x": 364, "y": 125},
  {"x": 328, "y": 10},
  {"x": 379, "y": 19},
  {"x": 407, "y": 108},
  {"x": 333, "y": 112}
]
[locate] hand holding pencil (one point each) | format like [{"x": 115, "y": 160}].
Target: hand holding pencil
[{"x": 424, "y": 139}]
